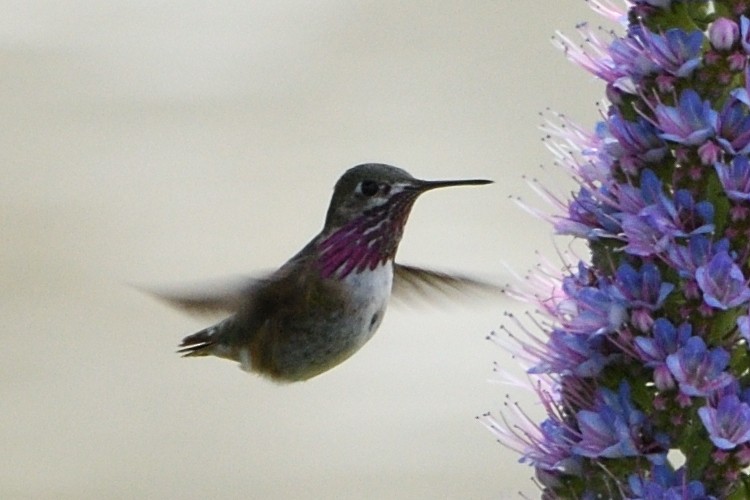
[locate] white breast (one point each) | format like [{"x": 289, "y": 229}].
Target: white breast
[{"x": 369, "y": 291}]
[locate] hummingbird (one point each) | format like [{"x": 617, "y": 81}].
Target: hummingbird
[{"x": 328, "y": 300}]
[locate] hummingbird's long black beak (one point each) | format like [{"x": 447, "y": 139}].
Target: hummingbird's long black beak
[{"x": 427, "y": 185}]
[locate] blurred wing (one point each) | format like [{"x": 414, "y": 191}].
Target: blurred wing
[
  {"x": 224, "y": 297},
  {"x": 410, "y": 281}
]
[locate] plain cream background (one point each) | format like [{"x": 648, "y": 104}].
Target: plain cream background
[{"x": 169, "y": 142}]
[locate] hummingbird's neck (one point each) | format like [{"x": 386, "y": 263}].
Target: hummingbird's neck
[{"x": 365, "y": 242}]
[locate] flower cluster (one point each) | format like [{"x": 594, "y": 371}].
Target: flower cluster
[{"x": 644, "y": 355}]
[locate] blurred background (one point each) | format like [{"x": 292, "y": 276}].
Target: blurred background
[{"x": 169, "y": 142}]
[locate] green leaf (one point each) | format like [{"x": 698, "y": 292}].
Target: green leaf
[
  {"x": 715, "y": 194},
  {"x": 741, "y": 490},
  {"x": 722, "y": 325},
  {"x": 695, "y": 445}
]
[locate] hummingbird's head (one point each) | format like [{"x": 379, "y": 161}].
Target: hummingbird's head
[
  {"x": 366, "y": 187},
  {"x": 367, "y": 214}
]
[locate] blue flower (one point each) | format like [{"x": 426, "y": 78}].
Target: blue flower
[
  {"x": 742, "y": 94},
  {"x": 733, "y": 127},
  {"x": 722, "y": 282},
  {"x": 653, "y": 228},
  {"x": 651, "y": 187},
  {"x": 698, "y": 370},
  {"x": 663, "y": 202},
  {"x": 572, "y": 353},
  {"x": 728, "y": 424},
  {"x": 686, "y": 259},
  {"x": 613, "y": 428},
  {"x": 587, "y": 218},
  {"x": 691, "y": 122},
  {"x": 641, "y": 289},
  {"x": 597, "y": 312},
  {"x": 546, "y": 446},
  {"x": 654, "y": 350},
  {"x": 676, "y": 51},
  {"x": 642, "y": 236},
  {"x": 635, "y": 143},
  {"x": 589, "y": 310},
  {"x": 735, "y": 178},
  {"x": 743, "y": 326},
  {"x": 630, "y": 200},
  {"x": 745, "y": 33},
  {"x": 555, "y": 440},
  {"x": 665, "y": 484},
  {"x": 681, "y": 216},
  {"x": 630, "y": 56},
  {"x": 666, "y": 340}
]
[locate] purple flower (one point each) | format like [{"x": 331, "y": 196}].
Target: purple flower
[
  {"x": 691, "y": 122},
  {"x": 642, "y": 236},
  {"x": 635, "y": 143},
  {"x": 629, "y": 56},
  {"x": 589, "y": 310},
  {"x": 612, "y": 429},
  {"x": 591, "y": 60},
  {"x": 743, "y": 326},
  {"x": 676, "y": 51},
  {"x": 666, "y": 340},
  {"x": 745, "y": 34},
  {"x": 631, "y": 199},
  {"x": 596, "y": 313},
  {"x": 641, "y": 289},
  {"x": 698, "y": 370},
  {"x": 545, "y": 446},
  {"x": 574, "y": 353},
  {"x": 643, "y": 292},
  {"x": 728, "y": 424},
  {"x": 686, "y": 259},
  {"x": 735, "y": 178},
  {"x": 556, "y": 436},
  {"x": 587, "y": 218},
  {"x": 652, "y": 230},
  {"x": 681, "y": 216},
  {"x": 742, "y": 94},
  {"x": 733, "y": 127},
  {"x": 651, "y": 187},
  {"x": 663, "y": 483},
  {"x": 654, "y": 350},
  {"x": 722, "y": 282},
  {"x": 663, "y": 202}
]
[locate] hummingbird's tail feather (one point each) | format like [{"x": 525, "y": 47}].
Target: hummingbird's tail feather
[
  {"x": 207, "y": 341},
  {"x": 198, "y": 344},
  {"x": 210, "y": 341}
]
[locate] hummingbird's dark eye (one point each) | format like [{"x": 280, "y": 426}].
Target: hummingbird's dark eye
[{"x": 368, "y": 188}]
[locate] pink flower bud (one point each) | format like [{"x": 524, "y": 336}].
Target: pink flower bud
[{"x": 723, "y": 33}]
